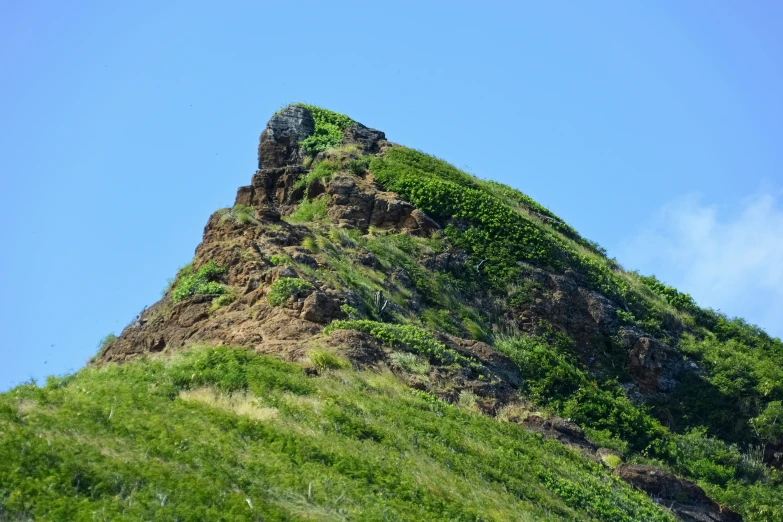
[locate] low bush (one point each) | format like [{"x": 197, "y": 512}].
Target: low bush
[
  {"x": 202, "y": 281},
  {"x": 329, "y": 129},
  {"x": 285, "y": 287},
  {"x": 223, "y": 300},
  {"x": 280, "y": 259}
]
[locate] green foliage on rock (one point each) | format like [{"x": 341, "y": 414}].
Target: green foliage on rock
[
  {"x": 322, "y": 170},
  {"x": 329, "y": 127},
  {"x": 285, "y": 287},
  {"x": 742, "y": 382},
  {"x": 495, "y": 232},
  {"x": 202, "y": 281}
]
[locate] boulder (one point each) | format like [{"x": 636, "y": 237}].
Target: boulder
[{"x": 319, "y": 308}]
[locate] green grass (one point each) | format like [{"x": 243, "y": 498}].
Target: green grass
[
  {"x": 322, "y": 170},
  {"x": 223, "y": 434},
  {"x": 325, "y": 360},
  {"x": 310, "y": 210}
]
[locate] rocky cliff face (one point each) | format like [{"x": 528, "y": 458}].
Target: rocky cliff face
[
  {"x": 370, "y": 254},
  {"x": 356, "y": 202}
]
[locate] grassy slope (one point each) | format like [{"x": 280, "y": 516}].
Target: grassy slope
[
  {"x": 719, "y": 420},
  {"x": 210, "y": 432}
]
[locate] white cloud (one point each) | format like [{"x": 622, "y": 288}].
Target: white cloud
[{"x": 729, "y": 259}]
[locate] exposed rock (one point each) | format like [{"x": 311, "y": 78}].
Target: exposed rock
[
  {"x": 320, "y": 308},
  {"x": 368, "y": 138},
  {"x": 273, "y": 186},
  {"x": 369, "y": 259},
  {"x": 773, "y": 455},
  {"x": 349, "y": 206},
  {"x": 279, "y": 143},
  {"x": 356, "y": 203},
  {"x": 685, "y": 498}
]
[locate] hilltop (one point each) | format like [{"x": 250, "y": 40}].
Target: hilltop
[{"x": 371, "y": 333}]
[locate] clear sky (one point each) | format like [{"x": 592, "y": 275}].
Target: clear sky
[{"x": 654, "y": 128}]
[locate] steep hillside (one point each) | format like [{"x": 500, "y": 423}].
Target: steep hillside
[{"x": 409, "y": 342}]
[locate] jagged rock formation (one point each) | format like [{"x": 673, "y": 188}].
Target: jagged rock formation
[{"x": 343, "y": 277}]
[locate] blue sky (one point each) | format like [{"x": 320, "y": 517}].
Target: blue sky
[{"x": 654, "y": 128}]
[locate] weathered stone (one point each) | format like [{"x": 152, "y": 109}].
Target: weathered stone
[
  {"x": 319, "y": 308},
  {"x": 279, "y": 143},
  {"x": 647, "y": 361},
  {"x": 350, "y": 206},
  {"x": 368, "y": 138}
]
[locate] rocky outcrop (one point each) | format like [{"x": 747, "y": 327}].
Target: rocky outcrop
[
  {"x": 369, "y": 139},
  {"x": 357, "y": 203},
  {"x": 686, "y": 499},
  {"x": 279, "y": 143},
  {"x": 270, "y": 187}
]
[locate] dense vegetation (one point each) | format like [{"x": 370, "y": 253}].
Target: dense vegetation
[
  {"x": 222, "y": 434},
  {"x": 329, "y": 127}
]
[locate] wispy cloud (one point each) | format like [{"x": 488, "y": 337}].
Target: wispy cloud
[{"x": 727, "y": 258}]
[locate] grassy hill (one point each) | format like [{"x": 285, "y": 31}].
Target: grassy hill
[{"x": 408, "y": 342}]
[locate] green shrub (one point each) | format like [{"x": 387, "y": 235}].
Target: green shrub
[
  {"x": 106, "y": 341},
  {"x": 223, "y": 300},
  {"x": 350, "y": 311},
  {"x": 358, "y": 166},
  {"x": 325, "y": 360},
  {"x": 606, "y": 439},
  {"x": 280, "y": 259},
  {"x": 285, "y": 287},
  {"x": 769, "y": 424},
  {"x": 329, "y": 127},
  {"x": 475, "y": 330},
  {"x": 202, "y": 281},
  {"x": 500, "y": 236},
  {"x": 309, "y": 211}
]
